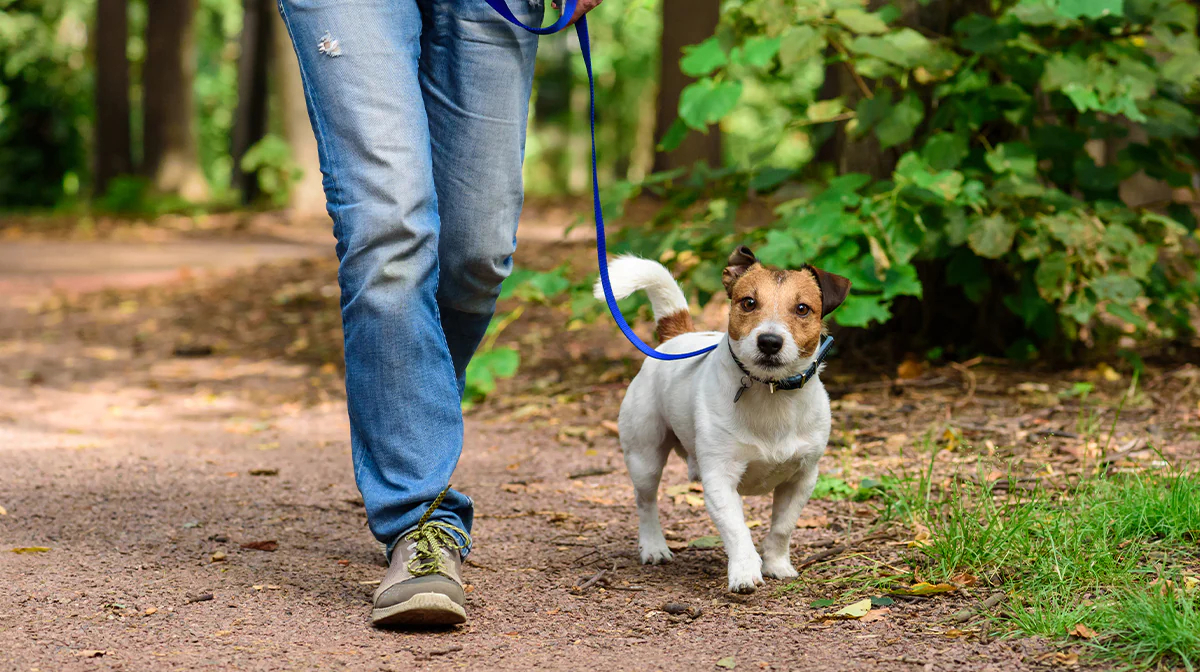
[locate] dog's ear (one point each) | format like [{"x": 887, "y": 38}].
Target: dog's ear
[
  {"x": 739, "y": 262},
  {"x": 834, "y": 289}
]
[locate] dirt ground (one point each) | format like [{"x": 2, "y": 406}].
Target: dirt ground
[{"x": 181, "y": 449}]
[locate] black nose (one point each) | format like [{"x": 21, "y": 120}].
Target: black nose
[{"x": 770, "y": 344}]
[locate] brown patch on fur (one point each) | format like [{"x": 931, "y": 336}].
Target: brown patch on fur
[
  {"x": 675, "y": 324},
  {"x": 776, "y": 295}
]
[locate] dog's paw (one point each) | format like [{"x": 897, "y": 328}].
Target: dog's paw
[
  {"x": 656, "y": 554},
  {"x": 779, "y": 569},
  {"x": 744, "y": 577}
]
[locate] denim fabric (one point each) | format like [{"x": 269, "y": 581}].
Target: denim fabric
[{"x": 419, "y": 109}]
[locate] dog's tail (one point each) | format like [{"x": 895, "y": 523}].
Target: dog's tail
[{"x": 628, "y": 274}]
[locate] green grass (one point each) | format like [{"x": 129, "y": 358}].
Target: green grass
[{"x": 1114, "y": 554}]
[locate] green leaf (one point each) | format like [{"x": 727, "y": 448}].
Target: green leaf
[
  {"x": 860, "y": 21},
  {"x": 1017, "y": 158},
  {"x": 1114, "y": 287},
  {"x": 899, "y": 124},
  {"x": 728, "y": 662},
  {"x": 825, "y": 110},
  {"x": 800, "y": 44},
  {"x": 705, "y": 102},
  {"x": 758, "y": 52},
  {"x": 822, "y": 603},
  {"x": 711, "y": 541},
  {"x": 674, "y": 136},
  {"x": 860, "y": 310},
  {"x": 881, "y": 601},
  {"x": 904, "y": 47},
  {"x": 992, "y": 237},
  {"x": 1091, "y": 9},
  {"x": 1052, "y": 275},
  {"x": 944, "y": 151},
  {"x": 701, "y": 59}
]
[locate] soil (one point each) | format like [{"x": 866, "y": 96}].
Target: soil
[{"x": 155, "y": 437}]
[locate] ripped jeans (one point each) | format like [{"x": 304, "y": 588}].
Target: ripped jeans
[{"x": 419, "y": 109}]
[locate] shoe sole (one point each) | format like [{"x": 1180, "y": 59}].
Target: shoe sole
[{"x": 422, "y": 609}]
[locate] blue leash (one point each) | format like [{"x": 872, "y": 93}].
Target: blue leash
[{"x": 601, "y": 246}]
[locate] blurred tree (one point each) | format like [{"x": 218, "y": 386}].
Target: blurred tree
[
  {"x": 307, "y": 198},
  {"x": 684, "y": 23},
  {"x": 112, "y": 150},
  {"x": 171, "y": 159},
  {"x": 250, "y": 122}
]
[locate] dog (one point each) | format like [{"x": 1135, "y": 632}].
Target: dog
[{"x": 729, "y": 412}]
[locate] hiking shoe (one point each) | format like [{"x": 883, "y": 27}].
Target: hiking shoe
[{"x": 423, "y": 586}]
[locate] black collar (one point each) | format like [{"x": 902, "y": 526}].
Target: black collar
[{"x": 794, "y": 383}]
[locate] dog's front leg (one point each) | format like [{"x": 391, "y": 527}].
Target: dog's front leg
[
  {"x": 725, "y": 508},
  {"x": 790, "y": 498}
]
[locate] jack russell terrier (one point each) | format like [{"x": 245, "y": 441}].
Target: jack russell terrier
[{"x": 750, "y": 417}]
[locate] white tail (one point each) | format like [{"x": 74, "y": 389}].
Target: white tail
[{"x": 628, "y": 274}]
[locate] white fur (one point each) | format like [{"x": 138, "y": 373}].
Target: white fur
[
  {"x": 764, "y": 443},
  {"x": 628, "y": 274}
]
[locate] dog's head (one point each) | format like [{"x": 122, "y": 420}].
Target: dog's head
[{"x": 775, "y": 320}]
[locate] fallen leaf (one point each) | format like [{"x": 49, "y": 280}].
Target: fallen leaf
[
  {"x": 219, "y": 556},
  {"x": 694, "y": 500},
  {"x": 711, "y": 541},
  {"x": 90, "y": 653},
  {"x": 31, "y": 549},
  {"x": 925, "y": 588},
  {"x": 268, "y": 546},
  {"x": 964, "y": 580},
  {"x": 264, "y": 472},
  {"x": 202, "y": 597},
  {"x": 881, "y": 601},
  {"x": 1066, "y": 659},
  {"x": 344, "y": 563},
  {"x": 727, "y": 662},
  {"x": 376, "y": 582},
  {"x": 855, "y": 611},
  {"x": 910, "y": 368},
  {"x": 753, "y": 523},
  {"x": 3, "y": 511},
  {"x": 1082, "y": 631},
  {"x": 822, "y": 603},
  {"x": 610, "y": 426},
  {"x": 875, "y": 615},
  {"x": 813, "y": 522},
  {"x": 150, "y": 612}
]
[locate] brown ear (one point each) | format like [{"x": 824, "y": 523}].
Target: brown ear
[
  {"x": 834, "y": 289},
  {"x": 739, "y": 262}
]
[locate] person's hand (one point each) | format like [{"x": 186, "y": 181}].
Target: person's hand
[{"x": 581, "y": 7}]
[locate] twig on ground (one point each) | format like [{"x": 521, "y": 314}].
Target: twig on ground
[{"x": 600, "y": 471}]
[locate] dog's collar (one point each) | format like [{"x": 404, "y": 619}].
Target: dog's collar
[{"x": 794, "y": 383}]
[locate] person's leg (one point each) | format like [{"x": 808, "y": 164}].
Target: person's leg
[
  {"x": 476, "y": 76},
  {"x": 359, "y": 64}
]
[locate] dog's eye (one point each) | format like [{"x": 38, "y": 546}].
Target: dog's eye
[
  {"x": 803, "y": 309},
  {"x": 748, "y": 304}
]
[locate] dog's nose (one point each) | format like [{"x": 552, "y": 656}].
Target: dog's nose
[{"x": 770, "y": 344}]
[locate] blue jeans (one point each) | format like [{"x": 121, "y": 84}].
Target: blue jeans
[{"x": 419, "y": 109}]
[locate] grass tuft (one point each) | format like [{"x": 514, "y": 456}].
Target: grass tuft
[{"x": 1119, "y": 555}]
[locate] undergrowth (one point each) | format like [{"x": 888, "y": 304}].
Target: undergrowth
[{"x": 1119, "y": 555}]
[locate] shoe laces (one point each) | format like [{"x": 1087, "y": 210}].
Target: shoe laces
[{"x": 430, "y": 538}]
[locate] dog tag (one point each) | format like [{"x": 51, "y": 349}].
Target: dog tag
[
  {"x": 772, "y": 386},
  {"x": 738, "y": 395}
]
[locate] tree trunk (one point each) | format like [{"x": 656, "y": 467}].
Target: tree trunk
[
  {"x": 308, "y": 194},
  {"x": 250, "y": 122},
  {"x": 171, "y": 160},
  {"x": 112, "y": 94},
  {"x": 684, "y": 22}
]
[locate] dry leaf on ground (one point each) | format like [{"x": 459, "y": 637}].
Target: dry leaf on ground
[
  {"x": 1083, "y": 631},
  {"x": 268, "y": 546},
  {"x": 31, "y": 549},
  {"x": 926, "y": 588},
  {"x": 854, "y": 611}
]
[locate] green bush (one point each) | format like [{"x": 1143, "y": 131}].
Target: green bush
[{"x": 983, "y": 143}]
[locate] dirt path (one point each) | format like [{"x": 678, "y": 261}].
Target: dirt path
[{"x": 146, "y": 474}]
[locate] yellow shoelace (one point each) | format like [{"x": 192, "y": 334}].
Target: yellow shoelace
[{"x": 431, "y": 538}]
